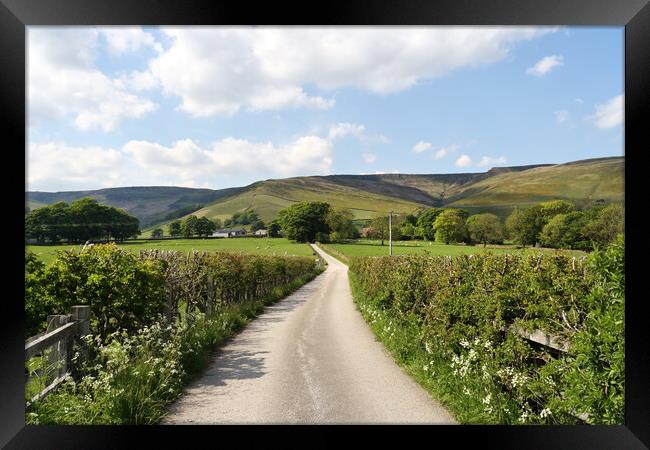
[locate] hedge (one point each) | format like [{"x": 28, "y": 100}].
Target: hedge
[{"x": 455, "y": 314}]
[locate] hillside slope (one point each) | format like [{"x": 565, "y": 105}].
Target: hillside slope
[
  {"x": 150, "y": 204},
  {"x": 498, "y": 190}
]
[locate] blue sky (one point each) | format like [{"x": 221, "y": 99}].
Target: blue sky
[{"x": 226, "y": 106}]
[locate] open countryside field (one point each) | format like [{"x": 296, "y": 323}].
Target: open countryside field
[
  {"x": 258, "y": 246},
  {"x": 374, "y": 248}
]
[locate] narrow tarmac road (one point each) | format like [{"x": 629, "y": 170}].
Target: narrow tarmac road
[{"x": 308, "y": 359}]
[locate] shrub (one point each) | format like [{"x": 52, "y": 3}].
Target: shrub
[{"x": 459, "y": 311}]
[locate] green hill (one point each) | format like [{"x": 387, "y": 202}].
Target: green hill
[
  {"x": 150, "y": 204},
  {"x": 498, "y": 190}
]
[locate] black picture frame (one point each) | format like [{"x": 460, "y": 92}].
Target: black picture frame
[{"x": 634, "y": 15}]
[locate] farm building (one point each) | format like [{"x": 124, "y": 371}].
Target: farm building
[
  {"x": 261, "y": 233},
  {"x": 229, "y": 232}
]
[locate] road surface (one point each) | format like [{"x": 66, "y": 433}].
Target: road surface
[{"x": 309, "y": 359}]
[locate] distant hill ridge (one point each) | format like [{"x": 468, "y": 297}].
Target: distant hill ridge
[{"x": 497, "y": 190}]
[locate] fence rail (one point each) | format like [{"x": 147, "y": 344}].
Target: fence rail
[{"x": 56, "y": 347}]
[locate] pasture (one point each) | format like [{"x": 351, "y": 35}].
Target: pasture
[
  {"x": 374, "y": 248},
  {"x": 258, "y": 246}
]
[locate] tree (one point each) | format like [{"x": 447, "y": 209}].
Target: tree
[
  {"x": 189, "y": 226},
  {"x": 157, "y": 233},
  {"x": 523, "y": 227},
  {"x": 607, "y": 223},
  {"x": 175, "y": 228},
  {"x": 450, "y": 226},
  {"x": 82, "y": 220},
  {"x": 485, "y": 228},
  {"x": 565, "y": 231},
  {"x": 425, "y": 223},
  {"x": 302, "y": 221},
  {"x": 204, "y": 226},
  {"x": 408, "y": 230},
  {"x": 548, "y": 210},
  {"x": 257, "y": 225},
  {"x": 341, "y": 225},
  {"x": 379, "y": 228},
  {"x": 274, "y": 229}
]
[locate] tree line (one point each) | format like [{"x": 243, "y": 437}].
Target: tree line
[
  {"x": 82, "y": 220},
  {"x": 202, "y": 226},
  {"x": 555, "y": 224}
]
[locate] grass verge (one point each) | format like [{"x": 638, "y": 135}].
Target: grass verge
[
  {"x": 132, "y": 379},
  {"x": 403, "y": 339}
]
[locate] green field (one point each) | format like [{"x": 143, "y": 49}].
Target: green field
[
  {"x": 259, "y": 246},
  {"x": 374, "y": 248}
]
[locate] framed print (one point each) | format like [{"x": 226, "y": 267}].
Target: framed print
[{"x": 388, "y": 214}]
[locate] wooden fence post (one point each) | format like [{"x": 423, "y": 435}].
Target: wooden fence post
[
  {"x": 80, "y": 314},
  {"x": 208, "y": 306},
  {"x": 57, "y": 354}
]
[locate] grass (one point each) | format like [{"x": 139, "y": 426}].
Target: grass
[
  {"x": 129, "y": 396},
  {"x": 404, "y": 344},
  {"x": 258, "y": 246},
  {"x": 374, "y": 248}
]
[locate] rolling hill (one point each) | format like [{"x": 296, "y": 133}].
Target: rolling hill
[
  {"x": 150, "y": 204},
  {"x": 498, "y": 190}
]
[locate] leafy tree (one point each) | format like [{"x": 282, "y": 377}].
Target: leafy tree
[
  {"x": 524, "y": 227},
  {"x": 425, "y": 223},
  {"x": 204, "y": 226},
  {"x": 548, "y": 210},
  {"x": 82, "y": 220},
  {"x": 217, "y": 223},
  {"x": 274, "y": 229},
  {"x": 410, "y": 218},
  {"x": 157, "y": 233},
  {"x": 302, "y": 221},
  {"x": 121, "y": 290},
  {"x": 609, "y": 221},
  {"x": 257, "y": 225},
  {"x": 175, "y": 228},
  {"x": 485, "y": 228},
  {"x": 450, "y": 226},
  {"x": 227, "y": 222},
  {"x": 341, "y": 225},
  {"x": 189, "y": 226},
  {"x": 408, "y": 230},
  {"x": 565, "y": 231}
]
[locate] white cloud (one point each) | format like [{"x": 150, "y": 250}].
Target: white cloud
[
  {"x": 265, "y": 68},
  {"x": 421, "y": 146},
  {"x": 120, "y": 40},
  {"x": 138, "y": 81},
  {"x": 545, "y": 65},
  {"x": 561, "y": 116},
  {"x": 610, "y": 114},
  {"x": 63, "y": 84},
  {"x": 184, "y": 163},
  {"x": 489, "y": 161},
  {"x": 444, "y": 151},
  {"x": 579, "y": 101},
  {"x": 369, "y": 157},
  {"x": 343, "y": 129},
  {"x": 464, "y": 161},
  {"x": 52, "y": 164},
  {"x": 186, "y": 160}
]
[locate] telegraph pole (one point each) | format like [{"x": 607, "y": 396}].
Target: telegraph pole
[{"x": 390, "y": 233}]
